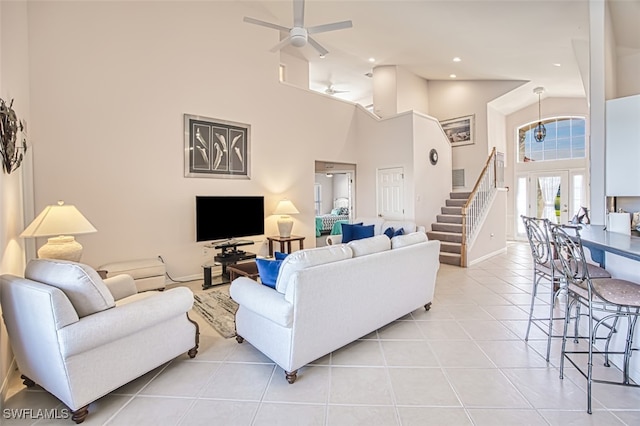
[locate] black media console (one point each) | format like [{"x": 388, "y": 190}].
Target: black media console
[{"x": 228, "y": 255}]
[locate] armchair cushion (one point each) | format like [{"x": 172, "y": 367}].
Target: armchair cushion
[
  {"x": 121, "y": 286},
  {"x": 82, "y": 284}
]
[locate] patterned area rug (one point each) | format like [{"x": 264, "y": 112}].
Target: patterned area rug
[{"x": 218, "y": 309}]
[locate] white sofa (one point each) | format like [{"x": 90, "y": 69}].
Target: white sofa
[
  {"x": 329, "y": 296},
  {"x": 80, "y": 337},
  {"x": 380, "y": 225}
]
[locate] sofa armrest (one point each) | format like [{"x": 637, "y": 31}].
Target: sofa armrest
[
  {"x": 262, "y": 300},
  {"x": 121, "y": 286},
  {"x": 420, "y": 228},
  {"x": 334, "y": 240},
  {"x": 112, "y": 324}
]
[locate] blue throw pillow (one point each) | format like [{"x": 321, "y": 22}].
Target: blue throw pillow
[
  {"x": 398, "y": 232},
  {"x": 268, "y": 270},
  {"x": 279, "y": 255},
  {"x": 389, "y": 232},
  {"x": 356, "y": 232}
]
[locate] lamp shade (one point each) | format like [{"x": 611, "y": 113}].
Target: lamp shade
[
  {"x": 60, "y": 219},
  {"x": 285, "y": 207},
  {"x": 285, "y": 223}
]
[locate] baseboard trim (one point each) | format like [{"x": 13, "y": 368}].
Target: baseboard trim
[{"x": 487, "y": 256}]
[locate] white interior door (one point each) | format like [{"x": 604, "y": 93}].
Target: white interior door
[{"x": 390, "y": 193}]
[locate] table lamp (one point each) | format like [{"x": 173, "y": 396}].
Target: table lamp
[
  {"x": 62, "y": 221},
  {"x": 285, "y": 223}
]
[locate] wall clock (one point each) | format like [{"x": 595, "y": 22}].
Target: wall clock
[{"x": 433, "y": 156}]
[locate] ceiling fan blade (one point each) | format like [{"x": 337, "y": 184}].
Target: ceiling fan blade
[
  {"x": 321, "y": 50},
  {"x": 298, "y": 13},
  {"x": 329, "y": 27},
  {"x": 285, "y": 41},
  {"x": 265, "y": 24}
]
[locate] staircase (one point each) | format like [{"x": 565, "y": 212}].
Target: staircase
[{"x": 448, "y": 228}]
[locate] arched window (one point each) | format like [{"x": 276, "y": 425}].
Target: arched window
[{"x": 565, "y": 140}]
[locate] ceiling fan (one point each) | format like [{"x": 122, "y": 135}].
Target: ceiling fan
[
  {"x": 332, "y": 91},
  {"x": 299, "y": 35}
]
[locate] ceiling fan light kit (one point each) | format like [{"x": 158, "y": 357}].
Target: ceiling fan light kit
[{"x": 299, "y": 34}]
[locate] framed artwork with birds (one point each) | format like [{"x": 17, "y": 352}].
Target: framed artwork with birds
[{"x": 216, "y": 148}]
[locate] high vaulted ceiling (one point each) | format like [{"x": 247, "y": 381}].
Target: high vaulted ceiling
[{"x": 542, "y": 42}]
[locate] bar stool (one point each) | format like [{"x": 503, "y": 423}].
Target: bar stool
[
  {"x": 610, "y": 299},
  {"x": 546, "y": 267}
]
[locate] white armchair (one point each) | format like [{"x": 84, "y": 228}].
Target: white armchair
[{"x": 80, "y": 337}]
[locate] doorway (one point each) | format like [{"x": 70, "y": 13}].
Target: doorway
[
  {"x": 556, "y": 195},
  {"x": 334, "y": 198}
]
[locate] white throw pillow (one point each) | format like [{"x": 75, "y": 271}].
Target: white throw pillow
[
  {"x": 370, "y": 245},
  {"x": 83, "y": 286},
  {"x": 309, "y": 257},
  {"x": 408, "y": 239}
]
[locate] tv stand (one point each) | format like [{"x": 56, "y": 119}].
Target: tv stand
[{"x": 229, "y": 255}]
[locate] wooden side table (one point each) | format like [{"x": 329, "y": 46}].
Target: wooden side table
[
  {"x": 245, "y": 269},
  {"x": 285, "y": 243}
]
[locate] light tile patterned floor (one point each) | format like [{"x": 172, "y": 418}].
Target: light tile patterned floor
[{"x": 464, "y": 362}]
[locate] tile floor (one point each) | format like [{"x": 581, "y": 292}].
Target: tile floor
[{"x": 464, "y": 362}]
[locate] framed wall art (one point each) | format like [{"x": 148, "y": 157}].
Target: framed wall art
[
  {"x": 460, "y": 131},
  {"x": 216, "y": 148}
]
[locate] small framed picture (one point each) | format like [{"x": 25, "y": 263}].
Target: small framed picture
[
  {"x": 216, "y": 148},
  {"x": 459, "y": 131}
]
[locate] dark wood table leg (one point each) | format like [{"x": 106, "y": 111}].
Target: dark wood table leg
[
  {"x": 270, "y": 248},
  {"x": 301, "y": 244}
]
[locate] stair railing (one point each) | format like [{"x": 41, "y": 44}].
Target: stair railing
[{"x": 491, "y": 178}]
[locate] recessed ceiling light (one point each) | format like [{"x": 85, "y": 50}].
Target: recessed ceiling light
[
  {"x": 323, "y": 56},
  {"x": 452, "y": 75},
  {"x": 372, "y": 59},
  {"x": 456, "y": 59},
  {"x": 557, "y": 65}
]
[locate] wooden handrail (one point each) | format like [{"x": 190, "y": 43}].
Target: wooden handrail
[{"x": 482, "y": 173}]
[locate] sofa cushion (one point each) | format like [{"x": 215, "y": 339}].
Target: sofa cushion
[
  {"x": 83, "y": 286},
  {"x": 408, "y": 239},
  {"x": 268, "y": 270},
  {"x": 389, "y": 232},
  {"x": 407, "y": 225},
  {"x": 279, "y": 255},
  {"x": 352, "y": 232},
  {"x": 309, "y": 257},
  {"x": 370, "y": 245}
]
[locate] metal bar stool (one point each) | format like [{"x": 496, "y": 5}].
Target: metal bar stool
[
  {"x": 607, "y": 301},
  {"x": 547, "y": 268}
]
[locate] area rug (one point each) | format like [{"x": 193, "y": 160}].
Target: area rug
[{"x": 218, "y": 309}]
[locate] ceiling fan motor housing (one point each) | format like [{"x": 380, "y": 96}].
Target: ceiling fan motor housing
[{"x": 298, "y": 36}]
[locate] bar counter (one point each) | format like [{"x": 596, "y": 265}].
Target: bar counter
[{"x": 599, "y": 242}]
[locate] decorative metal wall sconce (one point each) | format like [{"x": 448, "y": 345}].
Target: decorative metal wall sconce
[{"x": 12, "y": 154}]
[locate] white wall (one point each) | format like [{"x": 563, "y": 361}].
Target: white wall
[
  {"x": 452, "y": 99},
  {"x": 412, "y": 91},
  {"x": 385, "y": 91},
  {"x": 107, "y": 121},
  {"x": 13, "y": 85},
  {"x": 550, "y": 107},
  {"x": 628, "y": 70},
  {"x": 492, "y": 235}
]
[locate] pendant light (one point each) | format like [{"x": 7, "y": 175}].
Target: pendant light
[{"x": 539, "y": 132}]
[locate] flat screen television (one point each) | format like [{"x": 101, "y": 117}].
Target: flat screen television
[{"x": 228, "y": 217}]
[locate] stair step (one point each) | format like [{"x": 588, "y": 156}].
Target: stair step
[
  {"x": 450, "y": 258},
  {"x": 445, "y": 236},
  {"x": 449, "y": 218},
  {"x": 447, "y": 227},
  {"x": 448, "y": 247},
  {"x": 455, "y": 202},
  {"x": 460, "y": 195},
  {"x": 451, "y": 210}
]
